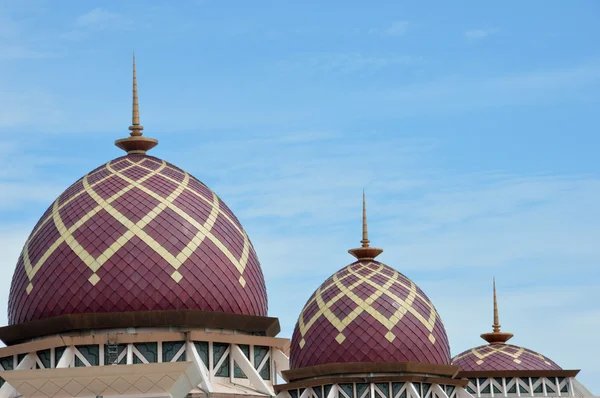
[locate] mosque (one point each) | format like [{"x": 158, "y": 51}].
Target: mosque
[{"x": 139, "y": 281}]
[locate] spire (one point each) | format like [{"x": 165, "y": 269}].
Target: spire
[
  {"x": 365, "y": 252},
  {"x": 136, "y": 129},
  {"x": 496, "y": 337},
  {"x": 136, "y": 143},
  {"x": 365, "y": 231},
  {"x": 496, "y": 324}
]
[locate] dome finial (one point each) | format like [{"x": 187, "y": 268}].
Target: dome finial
[
  {"x": 365, "y": 252},
  {"x": 496, "y": 337},
  {"x": 136, "y": 143},
  {"x": 365, "y": 231},
  {"x": 136, "y": 128},
  {"x": 496, "y": 324}
]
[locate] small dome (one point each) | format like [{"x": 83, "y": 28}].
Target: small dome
[
  {"x": 136, "y": 234},
  {"x": 368, "y": 312},
  {"x": 502, "y": 357},
  {"x": 499, "y": 356}
]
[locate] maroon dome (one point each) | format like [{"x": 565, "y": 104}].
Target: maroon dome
[
  {"x": 136, "y": 234},
  {"x": 368, "y": 312},
  {"x": 502, "y": 357}
]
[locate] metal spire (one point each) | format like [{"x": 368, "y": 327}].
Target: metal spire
[
  {"x": 365, "y": 252},
  {"x": 496, "y": 337},
  {"x": 136, "y": 129},
  {"x": 135, "y": 143},
  {"x": 365, "y": 231},
  {"x": 496, "y": 324}
]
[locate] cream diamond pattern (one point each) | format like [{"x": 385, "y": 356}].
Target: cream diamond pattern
[
  {"x": 135, "y": 229},
  {"x": 357, "y": 272}
]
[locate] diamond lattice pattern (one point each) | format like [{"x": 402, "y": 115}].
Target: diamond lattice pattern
[
  {"x": 368, "y": 312},
  {"x": 502, "y": 357},
  {"x": 136, "y": 234}
]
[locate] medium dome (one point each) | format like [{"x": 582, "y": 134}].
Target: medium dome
[
  {"x": 368, "y": 312},
  {"x": 136, "y": 234}
]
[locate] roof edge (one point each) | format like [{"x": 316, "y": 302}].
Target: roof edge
[
  {"x": 331, "y": 369},
  {"x": 518, "y": 373},
  {"x": 14, "y": 334}
]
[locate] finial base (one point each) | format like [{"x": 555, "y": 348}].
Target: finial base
[
  {"x": 365, "y": 253},
  {"x": 497, "y": 337},
  {"x": 136, "y": 144}
]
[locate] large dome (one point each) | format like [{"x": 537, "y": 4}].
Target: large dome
[
  {"x": 502, "y": 357},
  {"x": 136, "y": 234},
  {"x": 368, "y": 312}
]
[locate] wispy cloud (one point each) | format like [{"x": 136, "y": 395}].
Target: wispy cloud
[
  {"x": 462, "y": 93},
  {"x": 16, "y": 43},
  {"x": 17, "y": 52},
  {"x": 347, "y": 62},
  {"x": 397, "y": 28},
  {"x": 478, "y": 34},
  {"x": 8, "y": 27},
  {"x": 28, "y": 107},
  {"x": 99, "y": 18}
]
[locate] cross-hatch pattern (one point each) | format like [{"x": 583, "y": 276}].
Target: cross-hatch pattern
[
  {"x": 513, "y": 352},
  {"x": 364, "y": 272},
  {"x": 135, "y": 229}
]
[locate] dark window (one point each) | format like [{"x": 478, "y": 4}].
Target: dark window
[
  {"x": 524, "y": 384},
  {"x": 170, "y": 349},
  {"x": 348, "y": 389},
  {"x": 327, "y": 389},
  {"x": 202, "y": 348},
  {"x": 90, "y": 352},
  {"x": 384, "y": 388},
  {"x": 7, "y": 363},
  {"x": 44, "y": 357},
  {"x": 219, "y": 350},
  {"x": 318, "y": 391},
  {"x": 426, "y": 388},
  {"x": 237, "y": 371},
  {"x": 361, "y": 388}
]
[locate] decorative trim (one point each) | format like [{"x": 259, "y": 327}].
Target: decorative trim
[
  {"x": 518, "y": 373},
  {"x": 359, "y": 367},
  {"x": 15, "y": 334}
]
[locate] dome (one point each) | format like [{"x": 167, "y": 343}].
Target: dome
[
  {"x": 368, "y": 312},
  {"x": 502, "y": 357},
  {"x": 499, "y": 356},
  {"x": 136, "y": 234}
]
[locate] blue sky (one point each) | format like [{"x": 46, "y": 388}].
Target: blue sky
[{"x": 472, "y": 126}]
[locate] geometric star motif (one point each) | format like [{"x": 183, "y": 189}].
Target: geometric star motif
[
  {"x": 133, "y": 175},
  {"x": 363, "y": 284}
]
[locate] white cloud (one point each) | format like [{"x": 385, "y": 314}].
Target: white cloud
[
  {"x": 29, "y": 107},
  {"x": 99, "y": 18},
  {"x": 461, "y": 93},
  {"x": 397, "y": 28},
  {"x": 478, "y": 34},
  {"x": 12, "y": 238},
  {"x": 346, "y": 62},
  {"x": 15, "y": 52},
  {"x": 9, "y": 28}
]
